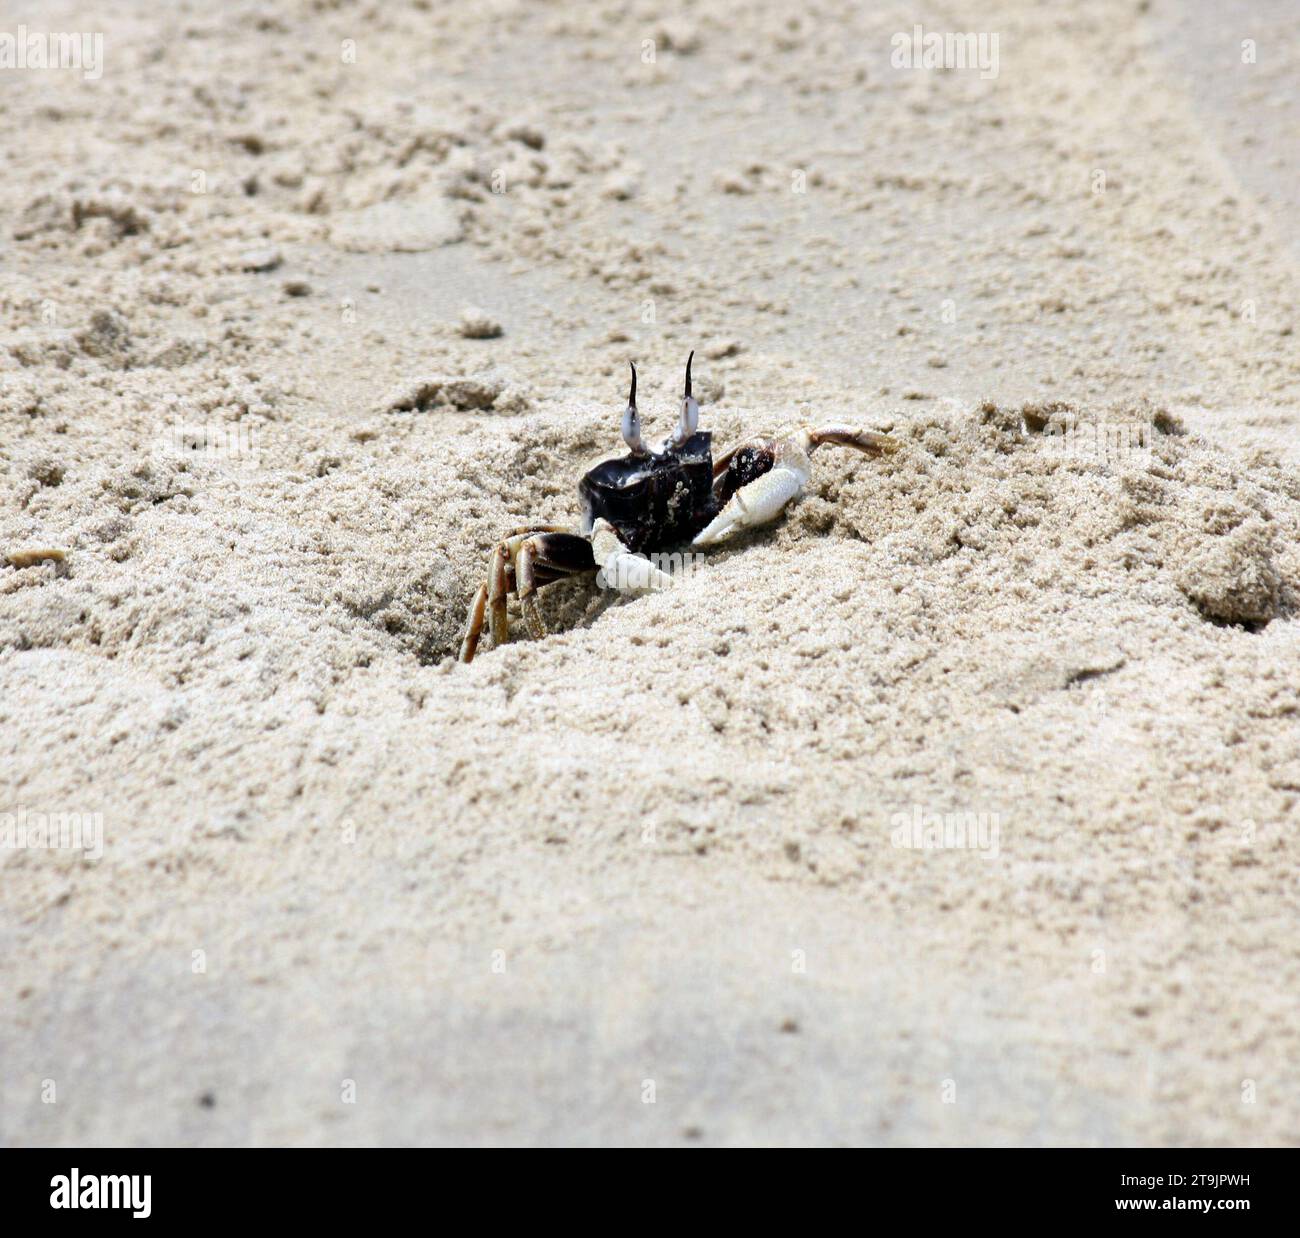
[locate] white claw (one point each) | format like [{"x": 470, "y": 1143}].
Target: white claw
[
  {"x": 620, "y": 569},
  {"x": 629, "y": 573},
  {"x": 756, "y": 503}
]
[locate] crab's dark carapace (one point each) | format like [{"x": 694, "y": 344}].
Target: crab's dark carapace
[{"x": 656, "y": 500}]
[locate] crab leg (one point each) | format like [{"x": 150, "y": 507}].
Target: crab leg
[
  {"x": 474, "y": 625},
  {"x": 539, "y": 528},
  {"x": 530, "y": 557},
  {"x": 543, "y": 558},
  {"x": 869, "y": 442},
  {"x": 490, "y": 600},
  {"x": 526, "y": 586},
  {"x": 497, "y": 591}
]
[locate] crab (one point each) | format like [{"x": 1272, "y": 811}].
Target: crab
[{"x": 648, "y": 502}]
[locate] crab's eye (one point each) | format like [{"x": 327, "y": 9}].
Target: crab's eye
[
  {"x": 689, "y": 421},
  {"x": 632, "y": 422}
]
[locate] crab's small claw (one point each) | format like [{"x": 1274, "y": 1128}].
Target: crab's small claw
[
  {"x": 620, "y": 569},
  {"x": 757, "y": 503},
  {"x": 632, "y": 421}
]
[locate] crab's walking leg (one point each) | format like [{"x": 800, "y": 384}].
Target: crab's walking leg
[
  {"x": 490, "y": 600},
  {"x": 765, "y": 497},
  {"x": 521, "y": 563},
  {"x": 540, "y": 528},
  {"x": 543, "y": 558},
  {"x": 869, "y": 442},
  {"x": 526, "y": 586},
  {"x": 497, "y": 593},
  {"x": 620, "y": 569},
  {"x": 474, "y": 625}
]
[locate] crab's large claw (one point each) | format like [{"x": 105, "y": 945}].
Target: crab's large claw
[
  {"x": 757, "y": 503},
  {"x": 763, "y": 499}
]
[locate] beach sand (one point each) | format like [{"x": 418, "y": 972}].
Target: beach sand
[{"x": 304, "y": 308}]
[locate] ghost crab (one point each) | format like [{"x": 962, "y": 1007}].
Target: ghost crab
[{"x": 650, "y": 501}]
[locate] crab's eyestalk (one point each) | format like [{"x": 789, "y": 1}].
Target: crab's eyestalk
[
  {"x": 690, "y": 418},
  {"x": 632, "y": 421}
]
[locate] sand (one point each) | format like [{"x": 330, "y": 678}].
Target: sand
[{"x": 304, "y": 309}]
